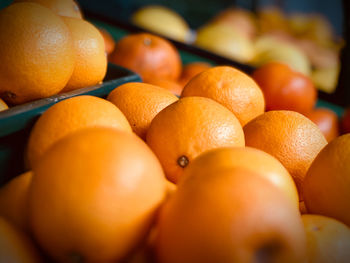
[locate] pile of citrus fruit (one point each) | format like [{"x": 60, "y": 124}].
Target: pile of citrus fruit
[{"x": 230, "y": 170}]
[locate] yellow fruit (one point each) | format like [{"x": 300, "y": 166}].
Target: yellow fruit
[
  {"x": 94, "y": 195},
  {"x": 13, "y": 200},
  {"x": 69, "y": 116},
  {"x": 163, "y": 21},
  {"x": 3, "y": 105},
  {"x": 226, "y": 41},
  {"x": 37, "y": 54},
  {"x": 328, "y": 240},
  {"x": 91, "y": 60}
]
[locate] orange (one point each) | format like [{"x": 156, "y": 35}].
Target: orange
[
  {"x": 13, "y": 200},
  {"x": 345, "y": 122},
  {"x": 140, "y": 103},
  {"x": 285, "y": 89},
  {"x": 328, "y": 240},
  {"x": 71, "y": 115},
  {"x": 3, "y": 105},
  {"x": 230, "y": 87},
  {"x": 327, "y": 183},
  {"x": 302, "y": 208},
  {"x": 108, "y": 39},
  {"x": 191, "y": 70},
  {"x": 68, "y": 8},
  {"x": 290, "y": 137},
  {"x": 188, "y": 127},
  {"x": 148, "y": 55},
  {"x": 171, "y": 85},
  {"x": 326, "y": 120},
  {"x": 37, "y": 53},
  {"x": 91, "y": 60},
  {"x": 230, "y": 215},
  {"x": 105, "y": 187},
  {"x": 263, "y": 164},
  {"x": 15, "y": 246}
]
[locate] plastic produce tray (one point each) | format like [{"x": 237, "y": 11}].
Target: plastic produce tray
[{"x": 16, "y": 122}]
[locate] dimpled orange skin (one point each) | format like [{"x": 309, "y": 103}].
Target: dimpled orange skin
[
  {"x": 67, "y": 8},
  {"x": 327, "y": 183},
  {"x": 105, "y": 187},
  {"x": 37, "y": 54},
  {"x": 232, "y": 215},
  {"x": 187, "y": 128},
  {"x": 290, "y": 137},
  {"x": 250, "y": 159},
  {"x": 140, "y": 103},
  {"x": 71, "y": 115},
  {"x": 328, "y": 240},
  {"x": 13, "y": 200},
  {"x": 91, "y": 60},
  {"x": 15, "y": 246},
  {"x": 148, "y": 55},
  {"x": 230, "y": 87}
]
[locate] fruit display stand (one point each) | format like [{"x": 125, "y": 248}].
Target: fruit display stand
[
  {"x": 190, "y": 53},
  {"x": 16, "y": 122}
]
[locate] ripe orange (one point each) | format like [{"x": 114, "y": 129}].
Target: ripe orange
[
  {"x": 140, "y": 103},
  {"x": 13, "y": 200},
  {"x": 68, "y": 8},
  {"x": 290, "y": 137},
  {"x": 327, "y": 183},
  {"x": 105, "y": 187},
  {"x": 191, "y": 70},
  {"x": 15, "y": 246},
  {"x": 302, "y": 208},
  {"x": 264, "y": 164},
  {"x": 71, "y": 115},
  {"x": 230, "y": 87},
  {"x": 328, "y": 240},
  {"x": 285, "y": 89},
  {"x": 108, "y": 39},
  {"x": 345, "y": 122},
  {"x": 188, "y": 127},
  {"x": 37, "y": 54},
  {"x": 171, "y": 85},
  {"x": 91, "y": 60},
  {"x": 326, "y": 120},
  {"x": 230, "y": 215},
  {"x": 148, "y": 55}
]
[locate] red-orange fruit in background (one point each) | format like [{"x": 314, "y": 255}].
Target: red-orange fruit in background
[
  {"x": 326, "y": 120},
  {"x": 285, "y": 89},
  {"x": 191, "y": 70},
  {"x": 148, "y": 55}
]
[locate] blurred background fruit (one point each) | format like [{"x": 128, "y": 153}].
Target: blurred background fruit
[
  {"x": 38, "y": 59},
  {"x": 170, "y": 85},
  {"x": 326, "y": 120},
  {"x": 190, "y": 70},
  {"x": 148, "y": 55},
  {"x": 230, "y": 87},
  {"x": 140, "y": 103},
  {"x": 3, "y": 105},
  {"x": 91, "y": 61},
  {"x": 108, "y": 39},
  {"x": 187, "y": 128},
  {"x": 225, "y": 40},
  {"x": 284, "y": 88},
  {"x": 328, "y": 240},
  {"x": 162, "y": 20},
  {"x": 327, "y": 183}
]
